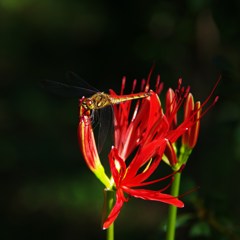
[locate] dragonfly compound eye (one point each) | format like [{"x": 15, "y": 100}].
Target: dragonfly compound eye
[{"x": 89, "y": 104}]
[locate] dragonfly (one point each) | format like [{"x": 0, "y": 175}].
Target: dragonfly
[{"x": 93, "y": 101}]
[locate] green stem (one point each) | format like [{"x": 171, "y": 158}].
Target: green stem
[
  {"x": 110, "y": 232},
  {"x": 172, "y": 214},
  {"x": 109, "y": 202}
]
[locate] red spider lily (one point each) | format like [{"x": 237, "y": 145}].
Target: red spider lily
[
  {"x": 174, "y": 101},
  {"x": 153, "y": 133},
  {"x": 149, "y": 134},
  {"x": 191, "y": 122},
  {"x": 146, "y": 132}
]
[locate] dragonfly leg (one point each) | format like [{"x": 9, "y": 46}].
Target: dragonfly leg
[{"x": 85, "y": 113}]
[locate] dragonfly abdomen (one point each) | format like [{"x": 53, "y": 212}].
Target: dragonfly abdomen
[{"x": 123, "y": 98}]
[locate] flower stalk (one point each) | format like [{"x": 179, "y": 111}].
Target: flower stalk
[
  {"x": 109, "y": 198},
  {"x": 172, "y": 214},
  {"x": 177, "y": 158}
]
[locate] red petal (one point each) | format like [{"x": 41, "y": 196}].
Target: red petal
[
  {"x": 171, "y": 107},
  {"x": 135, "y": 130},
  {"x": 87, "y": 142},
  {"x": 154, "y": 196},
  {"x": 131, "y": 180},
  {"x": 171, "y": 154},
  {"x": 194, "y": 130},
  {"x": 188, "y": 111},
  {"x": 117, "y": 173},
  {"x": 145, "y": 154},
  {"x": 116, "y": 209}
]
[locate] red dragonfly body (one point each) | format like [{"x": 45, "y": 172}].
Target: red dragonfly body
[{"x": 100, "y": 100}]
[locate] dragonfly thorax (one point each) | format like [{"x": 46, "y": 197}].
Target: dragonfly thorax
[{"x": 97, "y": 101}]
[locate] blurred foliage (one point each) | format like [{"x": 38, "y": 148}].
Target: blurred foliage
[{"x": 46, "y": 189}]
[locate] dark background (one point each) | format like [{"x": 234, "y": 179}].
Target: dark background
[{"x": 47, "y": 192}]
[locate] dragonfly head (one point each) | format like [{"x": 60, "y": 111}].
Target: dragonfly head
[{"x": 87, "y": 103}]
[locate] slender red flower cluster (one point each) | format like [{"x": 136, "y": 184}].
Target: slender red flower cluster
[
  {"x": 192, "y": 114},
  {"x": 149, "y": 135}
]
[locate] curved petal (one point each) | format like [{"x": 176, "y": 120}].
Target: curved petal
[
  {"x": 120, "y": 199},
  {"x": 154, "y": 196},
  {"x": 88, "y": 147},
  {"x": 121, "y": 113},
  {"x": 87, "y": 142},
  {"x": 136, "y": 128},
  {"x": 145, "y": 154},
  {"x": 129, "y": 129},
  {"x": 117, "y": 166}
]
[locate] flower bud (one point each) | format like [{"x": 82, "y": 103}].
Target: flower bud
[{"x": 192, "y": 112}]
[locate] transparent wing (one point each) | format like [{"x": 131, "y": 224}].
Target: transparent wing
[
  {"x": 105, "y": 130},
  {"x": 75, "y": 80},
  {"x": 65, "y": 90}
]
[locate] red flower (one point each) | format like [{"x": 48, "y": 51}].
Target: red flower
[
  {"x": 146, "y": 131},
  {"x": 193, "y": 112},
  {"x": 147, "y": 136}
]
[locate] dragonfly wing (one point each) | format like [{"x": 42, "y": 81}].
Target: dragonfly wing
[
  {"x": 105, "y": 126},
  {"x": 66, "y": 90},
  {"x": 75, "y": 80}
]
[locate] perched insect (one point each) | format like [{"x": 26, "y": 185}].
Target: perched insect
[
  {"x": 100, "y": 100},
  {"x": 93, "y": 100}
]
